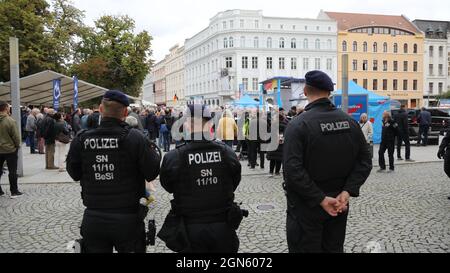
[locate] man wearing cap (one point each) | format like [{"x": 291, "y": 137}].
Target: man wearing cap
[
  {"x": 326, "y": 161},
  {"x": 9, "y": 145},
  {"x": 202, "y": 175},
  {"x": 112, "y": 162}
]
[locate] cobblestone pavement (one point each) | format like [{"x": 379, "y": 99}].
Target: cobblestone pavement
[{"x": 406, "y": 211}]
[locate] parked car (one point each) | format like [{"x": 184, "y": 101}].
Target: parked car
[{"x": 439, "y": 125}]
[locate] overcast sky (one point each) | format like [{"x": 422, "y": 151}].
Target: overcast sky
[{"x": 172, "y": 21}]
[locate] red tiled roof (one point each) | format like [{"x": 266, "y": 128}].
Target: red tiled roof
[{"x": 347, "y": 21}]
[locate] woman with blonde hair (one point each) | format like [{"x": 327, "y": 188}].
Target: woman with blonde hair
[{"x": 227, "y": 129}]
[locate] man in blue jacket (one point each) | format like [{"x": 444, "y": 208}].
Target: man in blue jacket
[{"x": 424, "y": 126}]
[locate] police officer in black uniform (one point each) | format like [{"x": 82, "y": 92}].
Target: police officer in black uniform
[
  {"x": 326, "y": 160},
  {"x": 202, "y": 175},
  {"x": 112, "y": 162}
]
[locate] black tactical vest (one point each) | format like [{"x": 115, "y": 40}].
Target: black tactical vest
[
  {"x": 109, "y": 179},
  {"x": 205, "y": 188}
]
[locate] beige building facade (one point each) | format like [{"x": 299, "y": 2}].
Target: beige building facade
[
  {"x": 385, "y": 55},
  {"x": 159, "y": 80},
  {"x": 174, "y": 69}
]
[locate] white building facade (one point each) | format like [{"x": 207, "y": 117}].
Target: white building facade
[
  {"x": 241, "y": 48},
  {"x": 175, "y": 76},
  {"x": 436, "y": 59},
  {"x": 148, "y": 89}
]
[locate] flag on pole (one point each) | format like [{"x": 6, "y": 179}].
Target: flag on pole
[
  {"x": 75, "y": 92},
  {"x": 56, "y": 93}
]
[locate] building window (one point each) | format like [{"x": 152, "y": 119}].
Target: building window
[
  {"x": 395, "y": 85},
  {"x": 441, "y": 87},
  {"x": 244, "y": 62},
  {"x": 355, "y": 46},
  {"x": 405, "y": 66},
  {"x": 229, "y": 62},
  {"x": 441, "y": 52},
  {"x": 385, "y": 85},
  {"x": 245, "y": 83},
  {"x": 385, "y": 66},
  {"x": 375, "y": 65},
  {"x": 415, "y": 66},
  {"x": 293, "y": 63},
  {"x": 317, "y": 64},
  {"x": 365, "y": 65},
  {"x": 305, "y": 64},
  {"x": 242, "y": 23},
  {"x": 329, "y": 43},
  {"x": 293, "y": 43},
  {"x": 293, "y": 27},
  {"x": 405, "y": 48},
  {"x": 405, "y": 85},
  {"x": 255, "y": 84},
  {"x": 355, "y": 65},
  {"x": 395, "y": 66},
  {"x": 344, "y": 46},
  {"x": 441, "y": 70},
  {"x": 281, "y": 26},
  {"x": 329, "y": 64},
  {"x": 281, "y": 42},
  {"x": 431, "y": 68},
  {"x": 355, "y": 81},
  {"x": 269, "y": 63},
  {"x": 242, "y": 41},
  {"x": 385, "y": 47},
  {"x": 365, "y": 46},
  {"x": 231, "y": 24},
  {"x": 415, "y": 49},
  {"x": 365, "y": 82},
  {"x": 375, "y": 47},
  {"x": 431, "y": 51},
  {"x": 269, "y": 42},
  {"x": 256, "y": 42},
  {"x": 317, "y": 44},
  {"x": 430, "y": 88},
  {"x": 269, "y": 26},
  {"x": 225, "y": 43},
  {"x": 415, "y": 85},
  {"x": 256, "y": 24},
  {"x": 254, "y": 62},
  {"x": 231, "y": 42},
  {"x": 281, "y": 63},
  {"x": 395, "y": 48},
  {"x": 224, "y": 24},
  {"x": 305, "y": 44},
  {"x": 375, "y": 85}
]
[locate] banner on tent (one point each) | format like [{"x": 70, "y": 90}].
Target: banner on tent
[{"x": 357, "y": 105}]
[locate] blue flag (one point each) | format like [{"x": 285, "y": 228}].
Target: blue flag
[
  {"x": 75, "y": 92},
  {"x": 56, "y": 93}
]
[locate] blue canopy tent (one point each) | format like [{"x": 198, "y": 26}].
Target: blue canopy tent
[
  {"x": 377, "y": 105},
  {"x": 246, "y": 101}
]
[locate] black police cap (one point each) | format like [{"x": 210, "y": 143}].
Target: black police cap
[
  {"x": 319, "y": 80},
  {"x": 199, "y": 111},
  {"x": 117, "y": 96}
]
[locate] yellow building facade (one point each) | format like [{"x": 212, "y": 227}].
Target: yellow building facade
[{"x": 385, "y": 55}]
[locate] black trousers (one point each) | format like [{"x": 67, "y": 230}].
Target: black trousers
[
  {"x": 103, "y": 231},
  {"x": 252, "y": 151},
  {"x": 390, "y": 147},
  {"x": 212, "y": 238},
  {"x": 313, "y": 230},
  {"x": 11, "y": 161},
  {"x": 275, "y": 165},
  {"x": 403, "y": 137},
  {"x": 423, "y": 131}
]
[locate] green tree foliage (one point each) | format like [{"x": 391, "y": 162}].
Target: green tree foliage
[
  {"x": 123, "y": 58},
  {"x": 26, "y": 20}
]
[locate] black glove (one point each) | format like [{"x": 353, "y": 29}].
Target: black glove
[{"x": 441, "y": 153}]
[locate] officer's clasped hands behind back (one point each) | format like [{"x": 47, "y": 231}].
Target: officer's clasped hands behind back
[{"x": 112, "y": 162}]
